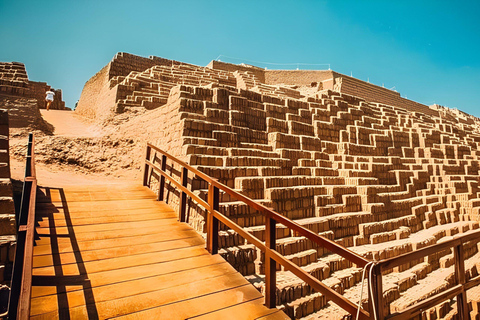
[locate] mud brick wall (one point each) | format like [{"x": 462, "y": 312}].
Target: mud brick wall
[
  {"x": 91, "y": 103},
  {"x": 219, "y": 65},
  {"x": 123, "y": 63},
  {"x": 7, "y": 209},
  {"x": 13, "y": 79},
  {"x": 38, "y": 91},
  {"x": 380, "y": 179},
  {"x": 13, "y": 71},
  {"x": 373, "y": 93},
  {"x": 297, "y": 77}
]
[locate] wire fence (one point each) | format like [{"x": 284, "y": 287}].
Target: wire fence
[{"x": 274, "y": 65}]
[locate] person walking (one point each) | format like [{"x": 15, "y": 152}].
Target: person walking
[{"x": 49, "y": 98}]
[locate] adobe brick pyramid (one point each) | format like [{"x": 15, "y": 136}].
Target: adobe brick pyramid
[{"x": 352, "y": 161}]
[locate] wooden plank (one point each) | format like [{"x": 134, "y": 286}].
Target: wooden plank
[
  {"x": 99, "y": 257},
  {"x": 94, "y": 196},
  {"x": 278, "y": 315},
  {"x": 112, "y": 234},
  {"x": 133, "y": 273},
  {"x": 60, "y": 213},
  {"x": 108, "y": 253},
  {"x": 101, "y": 227},
  {"x": 199, "y": 305},
  {"x": 64, "y": 245},
  {"x": 243, "y": 311},
  {"x": 135, "y": 287},
  {"x": 122, "y": 262},
  {"x": 133, "y": 303},
  {"x": 99, "y": 206},
  {"x": 145, "y": 215}
]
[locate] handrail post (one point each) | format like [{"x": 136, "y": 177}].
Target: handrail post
[
  {"x": 161, "y": 187},
  {"x": 270, "y": 264},
  {"x": 145, "y": 170},
  {"x": 212, "y": 222},
  {"x": 183, "y": 196},
  {"x": 377, "y": 289},
  {"x": 462, "y": 307}
]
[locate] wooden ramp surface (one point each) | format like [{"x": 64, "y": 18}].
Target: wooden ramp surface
[{"x": 114, "y": 252}]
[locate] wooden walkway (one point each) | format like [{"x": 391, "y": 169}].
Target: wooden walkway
[{"x": 107, "y": 252}]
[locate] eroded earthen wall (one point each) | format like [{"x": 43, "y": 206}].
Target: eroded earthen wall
[
  {"x": 297, "y": 77},
  {"x": 7, "y": 208},
  {"x": 91, "y": 103},
  {"x": 374, "y": 93},
  {"x": 14, "y": 82},
  {"x": 219, "y": 65}
]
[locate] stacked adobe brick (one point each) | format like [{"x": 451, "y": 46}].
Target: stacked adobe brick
[
  {"x": 380, "y": 179},
  {"x": 14, "y": 82},
  {"x": 13, "y": 79},
  {"x": 7, "y": 209}
]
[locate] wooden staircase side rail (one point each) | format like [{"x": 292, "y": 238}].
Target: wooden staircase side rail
[
  {"x": 21, "y": 284},
  {"x": 459, "y": 290},
  {"x": 272, "y": 218}
]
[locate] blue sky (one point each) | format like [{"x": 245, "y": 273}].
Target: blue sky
[{"x": 428, "y": 50}]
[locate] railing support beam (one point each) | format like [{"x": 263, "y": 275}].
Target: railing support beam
[
  {"x": 146, "y": 170},
  {"x": 377, "y": 288},
  {"x": 212, "y": 221},
  {"x": 182, "y": 210},
  {"x": 462, "y": 306},
  {"x": 161, "y": 187},
  {"x": 270, "y": 264}
]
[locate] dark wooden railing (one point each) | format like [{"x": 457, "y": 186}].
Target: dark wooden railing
[
  {"x": 459, "y": 290},
  {"x": 21, "y": 285},
  {"x": 272, "y": 257}
]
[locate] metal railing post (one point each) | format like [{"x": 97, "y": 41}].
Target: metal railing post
[
  {"x": 270, "y": 264},
  {"x": 182, "y": 209}
]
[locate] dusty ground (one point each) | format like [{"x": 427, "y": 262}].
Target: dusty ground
[{"x": 72, "y": 151}]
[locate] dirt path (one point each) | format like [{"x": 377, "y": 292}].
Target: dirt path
[{"x": 69, "y": 124}]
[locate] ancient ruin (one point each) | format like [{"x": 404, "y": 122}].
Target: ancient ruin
[
  {"x": 354, "y": 162},
  {"x": 14, "y": 82}
]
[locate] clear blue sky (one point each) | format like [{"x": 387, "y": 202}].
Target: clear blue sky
[{"x": 428, "y": 50}]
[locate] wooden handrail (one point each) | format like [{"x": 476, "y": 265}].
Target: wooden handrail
[
  {"x": 324, "y": 242},
  {"x": 21, "y": 285},
  {"x": 271, "y": 255},
  {"x": 459, "y": 290}
]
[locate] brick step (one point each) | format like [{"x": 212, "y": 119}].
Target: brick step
[
  {"x": 6, "y": 187},
  {"x": 436, "y": 282}
]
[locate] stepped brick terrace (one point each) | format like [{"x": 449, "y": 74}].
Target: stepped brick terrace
[
  {"x": 353, "y": 162},
  {"x": 14, "y": 82}
]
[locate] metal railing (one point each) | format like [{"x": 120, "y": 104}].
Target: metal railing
[
  {"x": 272, "y": 257},
  {"x": 21, "y": 285}
]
